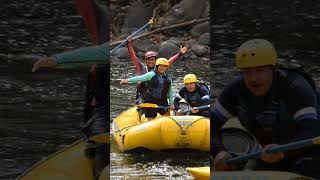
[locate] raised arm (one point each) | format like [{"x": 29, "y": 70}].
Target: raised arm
[
  {"x": 137, "y": 64},
  {"x": 174, "y": 58}
]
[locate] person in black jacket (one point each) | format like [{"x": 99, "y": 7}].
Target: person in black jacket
[{"x": 276, "y": 105}]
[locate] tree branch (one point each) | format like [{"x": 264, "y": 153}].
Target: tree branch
[{"x": 194, "y": 21}]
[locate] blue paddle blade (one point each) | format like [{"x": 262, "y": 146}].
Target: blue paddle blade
[{"x": 185, "y": 107}]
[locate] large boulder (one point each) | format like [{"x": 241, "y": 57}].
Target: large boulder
[
  {"x": 122, "y": 53},
  {"x": 167, "y": 50},
  {"x": 200, "y": 29},
  {"x": 176, "y": 41},
  {"x": 144, "y": 45},
  {"x": 138, "y": 15},
  {"x": 199, "y": 50},
  {"x": 204, "y": 39},
  {"x": 186, "y": 10}
]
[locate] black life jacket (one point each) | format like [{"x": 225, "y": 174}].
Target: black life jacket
[
  {"x": 155, "y": 90},
  {"x": 97, "y": 90},
  {"x": 141, "y": 87},
  {"x": 268, "y": 117},
  {"x": 193, "y": 98}
]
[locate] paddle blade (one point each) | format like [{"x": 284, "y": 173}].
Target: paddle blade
[
  {"x": 148, "y": 105},
  {"x": 316, "y": 140},
  {"x": 184, "y": 106},
  {"x": 183, "y": 101},
  {"x": 199, "y": 172}
]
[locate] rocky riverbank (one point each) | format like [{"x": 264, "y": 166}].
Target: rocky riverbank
[{"x": 125, "y": 18}]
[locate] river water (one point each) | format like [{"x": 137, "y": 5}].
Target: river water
[
  {"x": 151, "y": 165},
  {"x": 42, "y": 112},
  {"x": 39, "y": 112}
]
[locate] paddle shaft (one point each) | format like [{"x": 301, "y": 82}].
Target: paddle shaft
[
  {"x": 163, "y": 107},
  {"x": 281, "y": 148},
  {"x": 151, "y": 105},
  {"x": 159, "y": 107},
  {"x": 199, "y": 108},
  {"x": 133, "y": 34}
]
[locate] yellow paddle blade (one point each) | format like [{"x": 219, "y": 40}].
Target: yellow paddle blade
[
  {"x": 103, "y": 138},
  {"x": 148, "y": 105},
  {"x": 199, "y": 173},
  {"x": 316, "y": 140}
]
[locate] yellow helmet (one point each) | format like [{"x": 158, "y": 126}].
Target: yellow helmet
[
  {"x": 190, "y": 78},
  {"x": 162, "y": 61},
  {"x": 256, "y": 52}
]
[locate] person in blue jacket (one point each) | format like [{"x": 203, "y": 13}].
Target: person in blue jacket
[{"x": 195, "y": 94}]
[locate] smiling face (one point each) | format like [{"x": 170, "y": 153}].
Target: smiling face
[
  {"x": 151, "y": 62},
  {"x": 258, "y": 79},
  {"x": 190, "y": 86},
  {"x": 162, "y": 69}
]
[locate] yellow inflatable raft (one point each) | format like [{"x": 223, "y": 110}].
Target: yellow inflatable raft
[
  {"x": 163, "y": 133},
  {"x": 203, "y": 173},
  {"x": 69, "y": 163}
]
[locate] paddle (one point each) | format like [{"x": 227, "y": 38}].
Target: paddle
[
  {"x": 132, "y": 35},
  {"x": 281, "y": 148},
  {"x": 186, "y": 108},
  {"x": 150, "y": 105},
  {"x": 199, "y": 108}
]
